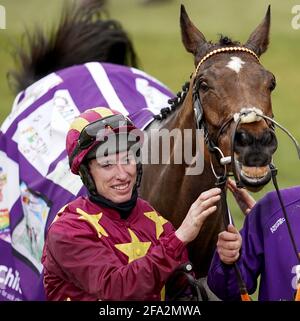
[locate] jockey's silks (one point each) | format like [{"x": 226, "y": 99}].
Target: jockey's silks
[{"x": 93, "y": 254}]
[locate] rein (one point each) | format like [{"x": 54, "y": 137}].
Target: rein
[{"x": 245, "y": 115}]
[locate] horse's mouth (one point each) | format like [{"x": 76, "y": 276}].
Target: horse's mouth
[{"x": 253, "y": 176}]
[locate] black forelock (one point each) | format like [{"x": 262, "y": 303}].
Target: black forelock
[{"x": 226, "y": 41}]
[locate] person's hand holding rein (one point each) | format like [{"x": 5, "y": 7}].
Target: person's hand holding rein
[
  {"x": 229, "y": 245},
  {"x": 204, "y": 206}
]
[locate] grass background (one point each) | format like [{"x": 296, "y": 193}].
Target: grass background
[{"x": 154, "y": 29}]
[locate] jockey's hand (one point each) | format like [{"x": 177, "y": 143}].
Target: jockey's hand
[
  {"x": 203, "y": 207},
  {"x": 229, "y": 245},
  {"x": 242, "y": 197}
]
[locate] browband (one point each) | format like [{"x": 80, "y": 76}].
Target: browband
[{"x": 225, "y": 49}]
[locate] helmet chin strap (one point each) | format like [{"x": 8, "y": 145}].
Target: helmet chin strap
[{"x": 87, "y": 179}]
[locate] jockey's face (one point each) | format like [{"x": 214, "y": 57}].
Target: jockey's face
[{"x": 114, "y": 176}]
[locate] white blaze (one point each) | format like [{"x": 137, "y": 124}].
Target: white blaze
[{"x": 235, "y": 64}]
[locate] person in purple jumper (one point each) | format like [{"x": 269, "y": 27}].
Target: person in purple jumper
[{"x": 262, "y": 248}]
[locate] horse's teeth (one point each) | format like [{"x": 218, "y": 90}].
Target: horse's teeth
[{"x": 254, "y": 172}]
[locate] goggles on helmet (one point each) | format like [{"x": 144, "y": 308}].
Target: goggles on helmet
[
  {"x": 92, "y": 132},
  {"x": 89, "y": 133}
]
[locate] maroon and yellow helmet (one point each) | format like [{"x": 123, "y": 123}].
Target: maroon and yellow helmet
[{"x": 93, "y": 127}]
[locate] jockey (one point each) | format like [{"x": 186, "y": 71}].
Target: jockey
[{"x": 111, "y": 244}]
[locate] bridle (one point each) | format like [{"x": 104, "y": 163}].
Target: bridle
[
  {"x": 211, "y": 143},
  {"x": 245, "y": 115}
]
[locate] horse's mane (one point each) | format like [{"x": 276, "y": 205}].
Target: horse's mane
[
  {"x": 82, "y": 35},
  {"x": 180, "y": 96},
  {"x": 173, "y": 102}
]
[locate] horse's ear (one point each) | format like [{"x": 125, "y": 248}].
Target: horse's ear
[
  {"x": 193, "y": 40},
  {"x": 259, "y": 38}
]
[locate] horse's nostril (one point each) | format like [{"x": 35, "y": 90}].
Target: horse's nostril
[
  {"x": 243, "y": 139},
  {"x": 267, "y": 138}
]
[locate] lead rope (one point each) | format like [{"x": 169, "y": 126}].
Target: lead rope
[
  {"x": 274, "y": 180},
  {"x": 221, "y": 183}
]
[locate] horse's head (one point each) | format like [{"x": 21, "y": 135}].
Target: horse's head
[{"x": 233, "y": 89}]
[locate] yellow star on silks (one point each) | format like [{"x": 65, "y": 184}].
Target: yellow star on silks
[
  {"x": 93, "y": 219},
  {"x": 158, "y": 220},
  {"x": 135, "y": 249}
]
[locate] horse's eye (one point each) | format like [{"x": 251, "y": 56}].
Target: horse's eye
[
  {"x": 203, "y": 86},
  {"x": 272, "y": 84}
]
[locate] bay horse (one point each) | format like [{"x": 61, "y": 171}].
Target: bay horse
[{"x": 228, "y": 79}]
